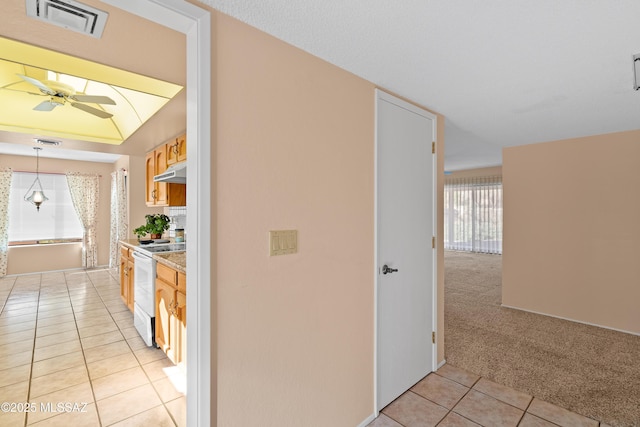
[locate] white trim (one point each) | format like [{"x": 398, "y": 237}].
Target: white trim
[
  {"x": 376, "y": 410},
  {"x": 195, "y": 23},
  {"x": 381, "y": 95},
  {"x": 441, "y": 364},
  {"x": 368, "y": 420},
  {"x": 571, "y": 320},
  {"x": 434, "y": 301}
]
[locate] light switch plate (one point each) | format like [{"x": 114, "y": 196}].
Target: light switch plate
[{"x": 283, "y": 242}]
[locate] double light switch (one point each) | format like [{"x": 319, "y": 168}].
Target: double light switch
[{"x": 283, "y": 242}]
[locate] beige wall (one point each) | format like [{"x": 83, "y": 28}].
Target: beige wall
[
  {"x": 572, "y": 227},
  {"x": 295, "y": 151},
  {"x": 58, "y": 257}
]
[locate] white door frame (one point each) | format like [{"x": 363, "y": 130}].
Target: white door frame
[
  {"x": 195, "y": 23},
  {"x": 379, "y": 94}
]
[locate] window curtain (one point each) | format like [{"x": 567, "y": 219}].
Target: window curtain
[
  {"x": 5, "y": 187},
  {"x": 84, "y": 189},
  {"x": 118, "y": 215},
  {"x": 473, "y": 214}
]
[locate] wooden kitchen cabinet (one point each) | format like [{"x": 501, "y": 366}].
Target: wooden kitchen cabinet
[
  {"x": 171, "y": 313},
  {"x": 161, "y": 193},
  {"x": 177, "y": 150},
  {"x": 126, "y": 276},
  {"x": 165, "y": 300}
]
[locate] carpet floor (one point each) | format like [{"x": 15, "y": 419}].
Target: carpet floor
[{"x": 589, "y": 370}]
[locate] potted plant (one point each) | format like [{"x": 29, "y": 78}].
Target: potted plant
[{"x": 155, "y": 226}]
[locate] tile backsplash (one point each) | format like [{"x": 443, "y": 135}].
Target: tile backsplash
[{"x": 178, "y": 215}]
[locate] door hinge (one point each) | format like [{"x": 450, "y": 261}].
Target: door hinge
[
  {"x": 433, "y": 337},
  {"x": 433, "y": 147},
  {"x": 433, "y": 242}
]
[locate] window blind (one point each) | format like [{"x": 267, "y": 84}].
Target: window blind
[{"x": 473, "y": 214}]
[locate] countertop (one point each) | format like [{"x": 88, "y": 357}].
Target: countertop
[
  {"x": 175, "y": 260},
  {"x": 134, "y": 243},
  {"x": 130, "y": 243}
]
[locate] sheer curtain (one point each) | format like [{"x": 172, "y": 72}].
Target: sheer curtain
[
  {"x": 473, "y": 214},
  {"x": 5, "y": 187},
  {"x": 118, "y": 214},
  {"x": 84, "y": 189}
]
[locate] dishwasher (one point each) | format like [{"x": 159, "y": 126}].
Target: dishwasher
[{"x": 144, "y": 288}]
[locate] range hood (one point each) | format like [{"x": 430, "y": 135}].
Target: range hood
[{"x": 176, "y": 173}]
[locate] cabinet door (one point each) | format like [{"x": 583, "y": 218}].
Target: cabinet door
[
  {"x": 130, "y": 291},
  {"x": 179, "y": 337},
  {"x": 161, "y": 165},
  {"x": 165, "y": 300},
  {"x": 181, "y": 141},
  {"x": 124, "y": 280},
  {"x": 172, "y": 152},
  {"x": 150, "y": 171},
  {"x": 177, "y": 150}
]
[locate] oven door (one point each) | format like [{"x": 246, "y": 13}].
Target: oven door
[{"x": 144, "y": 283}]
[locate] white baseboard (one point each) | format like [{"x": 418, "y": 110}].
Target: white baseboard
[
  {"x": 367, "y": 420},
  {"x": 571, "y": 320},
  {"x": 441, "y": 364}
]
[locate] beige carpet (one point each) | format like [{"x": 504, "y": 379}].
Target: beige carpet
[{"x": 589, "y": 370}]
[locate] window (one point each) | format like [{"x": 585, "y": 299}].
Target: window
[
  {"x": 55, "y": 222},
  {"x": 473, "y": 214}
]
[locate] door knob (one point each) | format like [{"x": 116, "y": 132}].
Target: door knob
[{"x": 386, "y": 269}]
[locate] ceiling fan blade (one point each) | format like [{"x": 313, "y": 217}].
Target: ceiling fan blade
[
  {"x": 91, "y": 110},
  {"x": 94, "y": 99},
  {"x": 37, "y": 83},
  {"x": 22, "y": 91},
  {"x": 46, "y": 106}
]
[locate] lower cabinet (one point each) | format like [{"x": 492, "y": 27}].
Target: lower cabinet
[
  {"x": 126, "y": 276},
  {"x": 171, "y": 313}
]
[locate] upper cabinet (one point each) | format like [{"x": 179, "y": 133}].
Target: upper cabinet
[
  {"x": 177, "y": 150},
  {"x": 156, "y": 162}
]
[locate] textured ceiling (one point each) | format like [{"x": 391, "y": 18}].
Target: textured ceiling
[{"x": 503, "y": 73}]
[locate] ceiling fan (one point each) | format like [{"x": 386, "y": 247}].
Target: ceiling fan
[{"x": 61, "y": 93}]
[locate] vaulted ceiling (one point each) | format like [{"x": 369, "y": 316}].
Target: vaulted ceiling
[
  {"x": 503, "y": 72},
  {"x": 128, "y": 43}
]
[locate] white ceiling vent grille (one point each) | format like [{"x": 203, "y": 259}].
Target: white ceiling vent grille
[{"x": 69, "y": 14}]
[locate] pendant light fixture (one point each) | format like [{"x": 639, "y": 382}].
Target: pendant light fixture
[{"x": 37, "y": 196}]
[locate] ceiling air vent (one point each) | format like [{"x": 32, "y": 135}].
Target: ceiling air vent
[
  {"x": 48, "y": 142},
  {"x": 69, "y": 14}
]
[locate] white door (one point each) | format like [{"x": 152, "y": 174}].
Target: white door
[{"x": 405, "y": 228}]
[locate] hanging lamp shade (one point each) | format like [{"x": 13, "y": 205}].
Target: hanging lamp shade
[{"x": 35, "y": 194}]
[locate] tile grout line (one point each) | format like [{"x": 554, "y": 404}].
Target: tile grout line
[
  {"x": 84, "y": 356},
  {"x": 459, "y": 400},
  {"x": 33, "y": 348},
  {"x": 34, "y": 342},
  {"x": 140, "y": 364}
]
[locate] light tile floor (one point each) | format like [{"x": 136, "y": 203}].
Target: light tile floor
[
  {"x": 452, "y": 397},
  {"x": 70, "y": 356}
]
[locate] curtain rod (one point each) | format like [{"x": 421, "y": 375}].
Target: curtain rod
[{"x": 46, "y": 173}]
